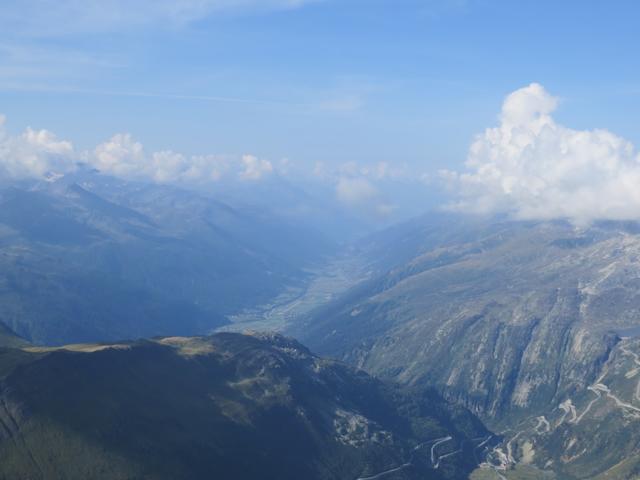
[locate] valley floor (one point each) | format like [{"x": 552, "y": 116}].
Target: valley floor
[{"x": 323, "y": 284}]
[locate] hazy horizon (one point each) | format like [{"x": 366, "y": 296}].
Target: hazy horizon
[{"x": 388, "y": 111}]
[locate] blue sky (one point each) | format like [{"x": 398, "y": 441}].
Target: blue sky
[{"x": 334, "y": 81}]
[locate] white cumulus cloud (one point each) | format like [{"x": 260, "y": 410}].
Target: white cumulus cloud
[
  {"x": 124, "y": 157},
  {"x": 121, "y": 156},
  {"x": 255, "y": 168},
  {"x": 34, "y": 153},
  {"x": 39, "y": 154},
  {"x": 534, "y": 168}
]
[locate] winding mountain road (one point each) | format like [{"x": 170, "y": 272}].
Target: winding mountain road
[
  {"x": 435, "y": 460},
  {"x": 439, "y": 441},
  {"x": 386, "y": 472}
]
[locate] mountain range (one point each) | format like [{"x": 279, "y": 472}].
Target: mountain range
[
  {"x": 88, "y": 257},
  {"x": 528, "y": 327}
]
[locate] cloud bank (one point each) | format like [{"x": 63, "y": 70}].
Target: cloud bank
[
  {"x": 533, "y": 168},
  {"x": 38, "y": 154},
  {"x": 123, "y": 157},
  {"x": 371, "y": 190}
]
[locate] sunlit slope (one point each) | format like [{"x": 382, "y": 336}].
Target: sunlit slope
[{"x": 513, "y": 320}]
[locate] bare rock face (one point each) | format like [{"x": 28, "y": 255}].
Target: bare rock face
[
  {"x": 592, "y": 431},
  {"x": 512, "y": 320}
]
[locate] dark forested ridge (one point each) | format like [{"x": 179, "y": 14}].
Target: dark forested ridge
[{"x": 225, "y": 406}]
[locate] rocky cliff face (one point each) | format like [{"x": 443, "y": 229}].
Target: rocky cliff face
[
  {"x": 592, "y": 433},
  {"x": 509, "y": 319}
]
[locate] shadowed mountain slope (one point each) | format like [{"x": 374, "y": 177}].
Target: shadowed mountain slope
[
  {"x": 8, "y": 338},
  {"x": 226, "y": 406},
  {"x": 90, "y": 258}
]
